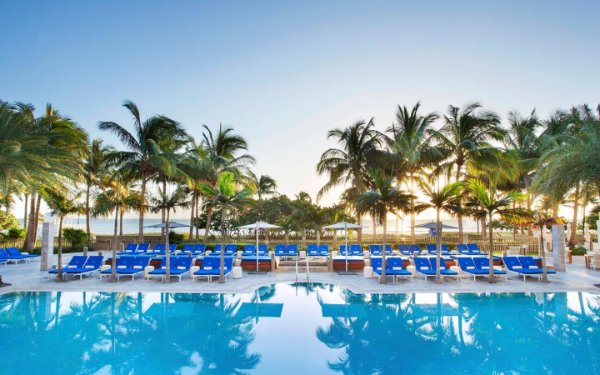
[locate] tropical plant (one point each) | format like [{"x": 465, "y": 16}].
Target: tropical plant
[
  {"x": 541, "y": 220},
  {"x": 385, "y": 198},
  {"x": 142, "y": 145},
  {"x": 349, "y": 164},
  {"x": 75, "y": 237},
  {"x": 465, "y": 135},
  {"x": 223, "y": 151},
  {"x": 227, "y": 197},
  {"x": 489, "y": 201},
  {"x": 446, "y": 200},
  {"x": 62, "y": 205},
  {"x": 412, "y": 149}
]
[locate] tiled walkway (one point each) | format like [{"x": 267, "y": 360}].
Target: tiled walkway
[{"x": 28, "y": 277}]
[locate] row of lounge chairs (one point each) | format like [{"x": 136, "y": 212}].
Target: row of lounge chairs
[
  {"x": 13, "y": 255},
  {"x": 475, "y": 266},
  {"x": 132, "y": 266}
]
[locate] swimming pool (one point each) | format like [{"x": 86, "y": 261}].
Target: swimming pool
[{"x": 299, "y": 329}]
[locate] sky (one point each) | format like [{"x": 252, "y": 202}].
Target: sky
[{"x": 282, "y": 73}]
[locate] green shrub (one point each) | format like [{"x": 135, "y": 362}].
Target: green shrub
[
  {"x": 76, "y": 238},
  {"x": 14, "y": 234},
  {"x": 578, "y": 250}
]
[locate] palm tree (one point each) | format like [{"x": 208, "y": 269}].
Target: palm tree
[
  {"x": 541, "y": 220},
  {"x": 62, "y": 205},
  {"x": 466, "y": 135},
  {"x": 383, "y": 199},
  {"x": 349, "y": 164},
  {"x": 165, "y": 202},
  {"x": 412, "y": 148},
  {"x": 117, "y": 196},
  {"x": 94, "y": 167},
  {"x": 445, "y": 199},
  {"x": 522, "y": 140},
  {"x": 223, "y": 152},
  {"x": 263, "y": 185},
  {"x": 142, "y": 145},
  {"x": 226, "y": 197},
  {"x": 490, "y": 202}
]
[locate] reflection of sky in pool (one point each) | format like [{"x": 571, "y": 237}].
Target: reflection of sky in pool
[{"x": 299, "y": 329}]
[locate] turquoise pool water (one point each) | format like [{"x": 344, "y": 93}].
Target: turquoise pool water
[{"x": 299, "y": 329}]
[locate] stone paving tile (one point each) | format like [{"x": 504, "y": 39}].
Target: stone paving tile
[{"x": 28, "y": 277}]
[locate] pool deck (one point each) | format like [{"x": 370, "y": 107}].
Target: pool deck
[{"x": 28, "y": 277}]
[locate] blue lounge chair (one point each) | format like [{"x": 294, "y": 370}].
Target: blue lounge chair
[
  {"x": 355, "y": 250},
  {"x": 432, "y": 249},
  {"x": 194, "y": 249},
  {"x": 76, "y": 262},
  {"x": 16, "y": 255},
  {"x": 187, "y": 248},
  {"x": 142, "y": 248},
  {"x": 250, "y": 250},
  {"x": 130, "y": 249},
  {"x": 531, "y": 264},
  {"x": 4, "y": 258},
  {"x": 282, "y": 250},
  {"x": 483, "y": 263},
  {"x": 136, "y": 267},
  {"x": 179, "y": 266},
  {"x": 394, "y": 267},
  {"x": 423, "y": 266},
  {"x": 463, "y": 249},
  {"x": 474, "y": 249},
  {"x": 376, "y": 250},
  {"x": 476, "y": 266},
  {"x": 514, "y": 265},
  {"x": 444, "y": 271},
  {"x": 211, "y": 266},
  {"x": 414, "y": 249},
  {"x": 317, "y": 251},
  {"x": 92, "y": 264},
  {"x": 123, "y": 262},
  {"x": 230, "y": 249}
]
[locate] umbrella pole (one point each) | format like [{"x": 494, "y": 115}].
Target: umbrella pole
[
  {"x": 346, "y": 232},
  {"x": 257, "y": 248}
]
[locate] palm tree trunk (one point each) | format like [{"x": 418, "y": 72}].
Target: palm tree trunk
[
  {"x": 438, "y": 241},
  {"x": 374, "y": 231},
  {"x": 88, "y": 229},
  {"x": 197, "y": 216},
  {"x": 491, "y": 252},
  {"x": 528, "y": 191},
  {"x": 304, "y": 238},
  {"x": 222, "y": 266},
  {"x": 397, "y": 234},
  {"x": 113, "y": 272},
  {"x": 60, "y": 269},
  {"x": 193, "y": 206},
  {"x": 574, "y": 225},
  {"x": 122, "y": 214},
  {"x": 318, "y": 237},
  {"x": 208, "y": 219},
  {"x": 30, "y": 235},
  {"x": 543, "y": 254},
  {"x": 412, "y": 208},
  {"x": 36, "y": 218},
  {"x": 167, "y": 252},
  {"x": 383, "y": 264},
  {"x": 142, "y": 209},
  {"x": 359, "y": 230},
  {"x": 162, "y": 211},
  {"x": 26, "y": 200},
  {"x": 459, "y": 215}
]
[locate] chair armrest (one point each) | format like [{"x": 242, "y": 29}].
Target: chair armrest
[
  {"x": 454, "y": 268},
  {"x": 411, "y": 269},
  {"x": 148, "y": 269},
  {"x": 104, "y": 267},
  {"x": 194, "y": 269}
]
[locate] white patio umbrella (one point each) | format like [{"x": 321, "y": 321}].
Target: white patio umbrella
[
  {"x": 345, "y": 226},
  {"x": 167, "y": 225},
  {"x": 257, "y": 226}
]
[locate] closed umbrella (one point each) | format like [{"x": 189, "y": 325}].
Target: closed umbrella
[
  {"x": 345, "y": 226},
  {"x": 257, "y": 226}
]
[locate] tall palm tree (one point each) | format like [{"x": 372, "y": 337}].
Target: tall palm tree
[
  {"x": 166, "y": 202},
  {"x": 411, "y": 145},
  {"x": 226, "y": 196},
  {"x": 489, "y": 201},
  {"x": 95, "y": 165},
  {"x": 116, "y": 196},
  {"x": 349, "y": 164},
  {"x": 522, "y": 140},
  {"x": 541, "y": 220},
  {"x": 62, "y": 205},
  {"x": 445, "y": 199},
  {"x": 223, "y": 151},
  {"x": 385, "y": 198},
  {"x": 142, "y": 144},
  {"x": 263, "y": 185},
  {"x": 466, "y": 134}
]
